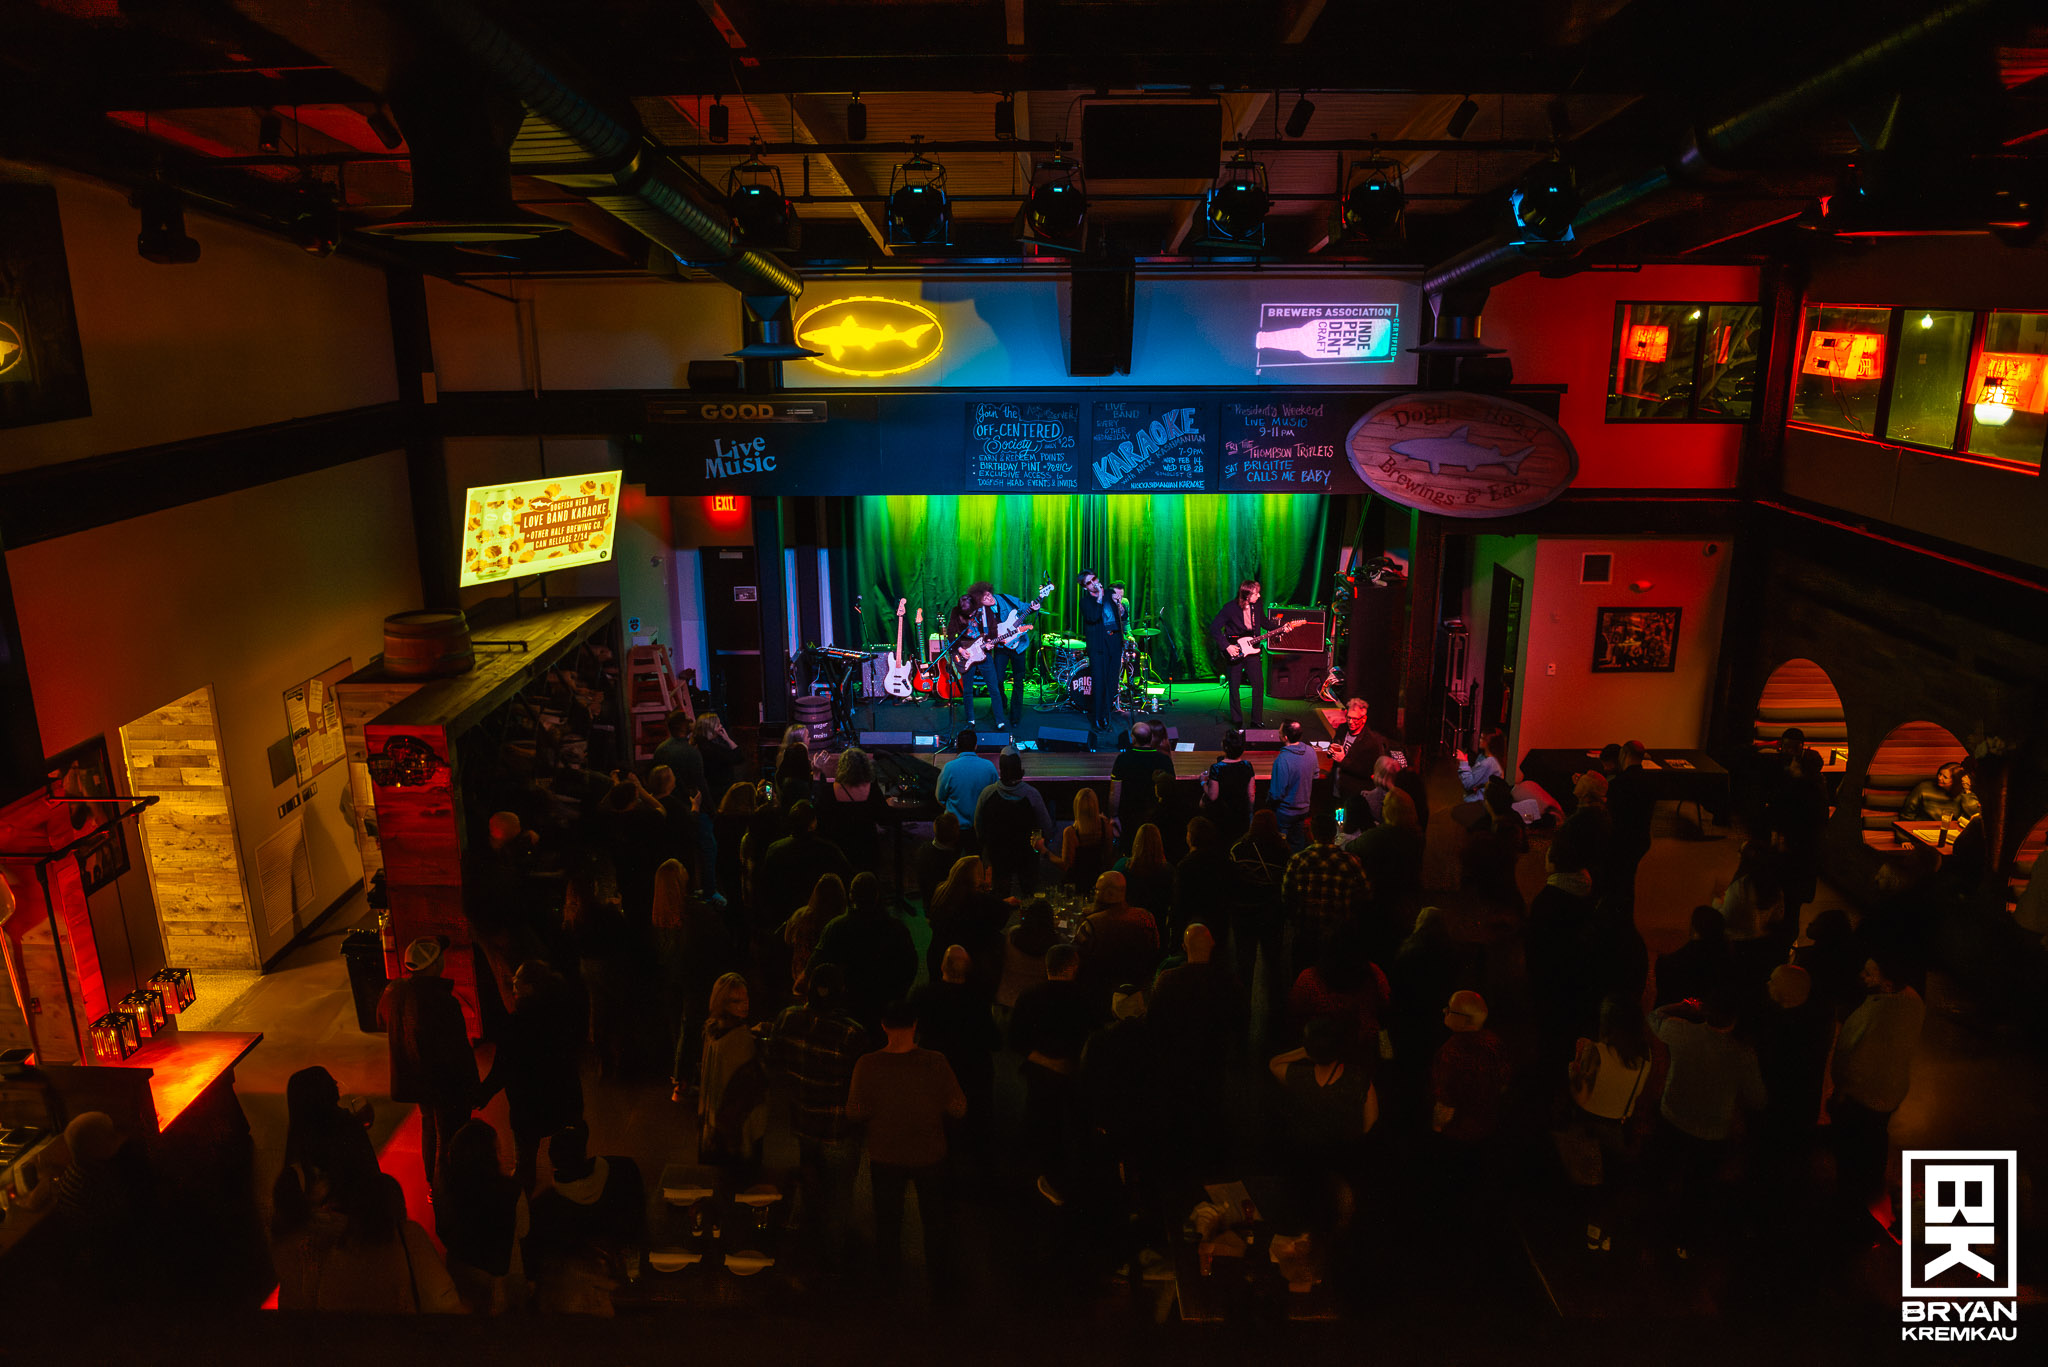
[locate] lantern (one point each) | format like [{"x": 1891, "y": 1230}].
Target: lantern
[
  {"x": 114, "y": 1037},
  {"x": 176, "y": 986},
  {"x": 146, "y": 1005}
]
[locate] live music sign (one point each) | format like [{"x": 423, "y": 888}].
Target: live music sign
[{"x": 1462, "y": 454}]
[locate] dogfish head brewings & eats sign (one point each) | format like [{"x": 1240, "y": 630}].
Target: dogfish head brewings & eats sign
[
  {"x": 1462, "y": 454},
  {"x": 510, "y": 530},
  {"x": 870, "y": 335}
]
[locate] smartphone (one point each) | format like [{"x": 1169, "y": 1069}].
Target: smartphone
[
  {"x": 768, "y": 790},
  {"x": 1340, "y": 816}
]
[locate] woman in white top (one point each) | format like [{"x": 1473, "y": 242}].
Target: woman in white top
[{"x": 1609, "y": 1077}]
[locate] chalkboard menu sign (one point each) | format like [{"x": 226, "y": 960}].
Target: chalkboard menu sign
[
  {"x": 1147, "y": 446},
  {"x": 1023, "y": 448},
  {"x": 1285, "y": 446}
]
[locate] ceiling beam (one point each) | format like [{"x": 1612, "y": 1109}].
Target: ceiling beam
[
  {"x": 1297, "y": 17},
  {"x": 810, "y": 112},
  {"x": 1013, "y": 22}
]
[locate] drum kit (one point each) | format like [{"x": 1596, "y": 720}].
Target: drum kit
[{"x": 1070, "y": 678}]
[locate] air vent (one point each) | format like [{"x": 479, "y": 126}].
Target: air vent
[{"x": 1598, "y": 569}]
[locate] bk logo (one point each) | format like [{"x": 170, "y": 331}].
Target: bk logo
[{"x": 1961, "y": 1233}]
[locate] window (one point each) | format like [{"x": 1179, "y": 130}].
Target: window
[
  {"x": 1927, "y": 385},
  {"x": 2008, "y": 389},
  {"x": 1683, "y": 362},
  {"x": 1841, "y": 367}
]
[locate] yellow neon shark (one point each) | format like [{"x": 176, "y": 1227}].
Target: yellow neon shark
[
  {"x": 849, "y": 332},
  {"x": 7, "y": 350}
]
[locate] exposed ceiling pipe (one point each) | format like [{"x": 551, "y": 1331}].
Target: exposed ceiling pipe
[
  {"x": 616, "y": 167},
  {"x": 1701, "y": 159}
]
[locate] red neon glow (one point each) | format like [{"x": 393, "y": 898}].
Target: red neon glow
[
  {"x": 2021, "y": 378},
  {"x": 725, "y": 503},
  {"x": 184, "y": 1064},
  {"x": 1647, "y": 342},
  {"x": 1844, "y": 355}
]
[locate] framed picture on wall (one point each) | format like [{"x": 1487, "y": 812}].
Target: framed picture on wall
[
  {"x": 84, "y": 771},
  {"x": 1635, "y": 640}
]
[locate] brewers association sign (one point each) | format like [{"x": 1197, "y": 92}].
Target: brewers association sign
[{"x": 1461, "y": 454}]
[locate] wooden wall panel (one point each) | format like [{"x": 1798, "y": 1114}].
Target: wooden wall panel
[{"x": 188, "y": 837}]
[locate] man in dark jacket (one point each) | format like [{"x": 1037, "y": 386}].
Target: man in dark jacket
[
  {"x": 953, "y": 1019},
  {"x": 874, "y": 949},
  {"x": 1052, "y": 1022},
  {"x": 537, "y": 1064},
  {"x": 792, "y": 867},
  {"x": 432, "y": 1063},
  {"x": 1630, "y": 803},
  {"x": 1242, "y": 617},
  {"x": 1006, "y": 818},
  {"x": 1554, "y": 944}
]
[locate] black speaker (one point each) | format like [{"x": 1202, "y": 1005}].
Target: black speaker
[
  {"x": 1101, "y": 307},
  {"x": 1294, "y": 676},
  {"x": 1062, "y": 738},
  {"x": 1268, "y": 739},
  {"x": 877, "y": 740},
  {"x": 1153, "y": 140}
]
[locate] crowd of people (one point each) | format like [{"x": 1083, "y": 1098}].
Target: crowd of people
[{"x": 1111, "y": 1009}]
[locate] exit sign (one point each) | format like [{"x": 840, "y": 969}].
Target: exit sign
[{"x": 725, "y": 503}]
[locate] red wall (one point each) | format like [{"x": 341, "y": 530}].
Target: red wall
[{"x": 1561, "y": 332}]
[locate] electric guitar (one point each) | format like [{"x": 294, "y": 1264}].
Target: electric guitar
[
  {"x": 896, "y": 680},
  {"x": 1011, "y": 628},
  {"x": 1249, "y": 645}
]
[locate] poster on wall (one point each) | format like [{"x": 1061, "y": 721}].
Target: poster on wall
[
  {"x": 538, "y": 525},
  {"x": 1283, "y": 446},
  {"x": 1325, "y": 334},
  {"x": 1635, "y": 640},
  {"x": 1016, "y": 447},
  {"x": 84, "y": 771},
  {"x": 1148, "y": 446},
  {"x": 313, "y": 722},
  {"x": 42, "y": 362},
  {"x": 1462, "y": 454}
]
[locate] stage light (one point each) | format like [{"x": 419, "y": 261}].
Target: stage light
[
  {"x": 1461, "y": 119},
  {"x": 1545, "y": 200},
  {"x": 269, "y": 132},
  {"x": 386, "y": 131},
  {"x": 856, "y": 119},
  {"x": 718, "y": 121},
  {"x": 1234, "y": 211},
  {"x": 1298, "y": 117},
  {"x": 1006, "y": 117},
  {"x": 754, "y": 198},
  {"x": 163, "y": 238},
  {"x": 1373, "y": 202},
  {"x": 919, "y": 214},
  {"x": 1055, "y": 212}
]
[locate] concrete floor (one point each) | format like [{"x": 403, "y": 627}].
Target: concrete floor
[{"x": 1971, "y": 1089}]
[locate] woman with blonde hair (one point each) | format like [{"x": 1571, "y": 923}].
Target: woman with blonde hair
[
  {"x": 732, "y": 1103},
  {"x": 1085, "y": 845},
  {"x": 1148, "y": 878},
  {"x": 801, "y": 931}
]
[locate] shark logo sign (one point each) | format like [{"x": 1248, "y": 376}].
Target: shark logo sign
[
  {"x": 13, "y": 351},
  {"x": 1461, "y": 454},
  {"x": 871, "y": 336}
]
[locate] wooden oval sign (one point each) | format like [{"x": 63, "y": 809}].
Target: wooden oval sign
[{"x": 1462, "y": 454}]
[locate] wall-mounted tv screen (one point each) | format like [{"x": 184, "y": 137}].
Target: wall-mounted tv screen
[{"x": 539, "y": 525}]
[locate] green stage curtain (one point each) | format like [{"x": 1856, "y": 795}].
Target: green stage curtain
[{"x": 1183, "y": 556}]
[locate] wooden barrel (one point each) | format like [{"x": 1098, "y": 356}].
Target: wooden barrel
[
  {"x": 814, "y": 714},
  {"x": 427, "y": 645}
]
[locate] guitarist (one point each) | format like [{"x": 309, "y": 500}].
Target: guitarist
[
  {"x": 984, "y": 612},
  {"x": 1103, "y": 615},
  {"x": 1242, "y": 616}
]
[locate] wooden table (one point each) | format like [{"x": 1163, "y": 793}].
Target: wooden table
[
  {"x": 1675, "y": 776},
  {"x": 1927, "y": 834},
  {"x": 184, "y": 1064}
]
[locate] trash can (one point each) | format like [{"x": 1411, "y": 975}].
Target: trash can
[{"x": 364, "y": 951}]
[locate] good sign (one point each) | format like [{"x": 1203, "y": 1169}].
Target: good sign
[{"x": 1462, "y": 455}]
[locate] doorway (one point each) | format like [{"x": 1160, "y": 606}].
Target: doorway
[
  {"x": 188, "y": 836},
  {"x": 1500, "y": 681}
]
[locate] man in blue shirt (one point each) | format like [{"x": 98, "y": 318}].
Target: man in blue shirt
[
  {"x": 1295, "y": 770},
  {"x": 963, "y": 780}
]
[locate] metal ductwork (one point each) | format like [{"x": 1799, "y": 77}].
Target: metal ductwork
[
  {"x": 568, "y": 141},
  {"x": 1702, "y": 159}
]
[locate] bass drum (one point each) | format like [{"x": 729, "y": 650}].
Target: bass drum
[{"x": 1076, "y": 684}]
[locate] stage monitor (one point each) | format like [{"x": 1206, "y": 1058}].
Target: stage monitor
[{"x": 512, "y": 530}]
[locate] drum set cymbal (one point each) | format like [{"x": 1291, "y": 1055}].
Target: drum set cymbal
[{"x": 1144, "y": 633}]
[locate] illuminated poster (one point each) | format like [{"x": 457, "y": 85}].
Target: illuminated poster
[
  {"x": 1325, "y": 334},
  {"x": 543, "y": 524}
]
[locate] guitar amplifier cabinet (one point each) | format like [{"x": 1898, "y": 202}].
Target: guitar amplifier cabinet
[
  {"x": 871, "y": 673},
  {"x": 1291, "y": 674},
  {"x": 1305, "y": 640}
]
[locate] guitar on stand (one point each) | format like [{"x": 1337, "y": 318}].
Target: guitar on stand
[{"x": 896, "y": 680}]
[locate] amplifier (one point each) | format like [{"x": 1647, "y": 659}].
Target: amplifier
[
  {"x": 1304, "y": 640},
  {"x": 872, "y": 671}
]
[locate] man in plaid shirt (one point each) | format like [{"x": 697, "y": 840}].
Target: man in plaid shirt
[
  {"x": 815, "y": 1045},
  {"x": 1322, "y": 890}
]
